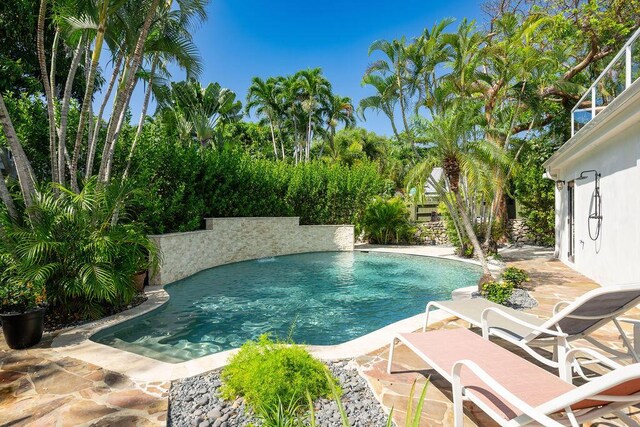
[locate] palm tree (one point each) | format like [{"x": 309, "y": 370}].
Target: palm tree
[
  {"x": 25, "y": 174},
  {"x": 201, "y": 109},
  {"x": 396, "y": 65},
  {"x": 338, "y": 110},
  {"x": 169, "y": 42},
  {"x": 384, "y": 99},
  {"x": 315, "y": 91},
  {"x": 262, "y": 97},
  {"x": 450, "y": 145}
]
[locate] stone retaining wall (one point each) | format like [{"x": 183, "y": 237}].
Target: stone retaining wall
[
  {"x": 518, "y": 232},
  {"x": 228, "y": 240},
  {"x": 431, "y": 233}
]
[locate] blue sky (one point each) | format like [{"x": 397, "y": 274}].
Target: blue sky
[{"x": 243, "y": 39}]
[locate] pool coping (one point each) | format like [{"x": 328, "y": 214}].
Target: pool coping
[{"x": 76, "y": 343}]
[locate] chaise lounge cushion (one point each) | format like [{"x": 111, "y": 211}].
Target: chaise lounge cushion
[{"x": 441, "y": 349}]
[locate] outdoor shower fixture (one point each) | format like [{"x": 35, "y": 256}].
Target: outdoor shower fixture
[{"x": 595, "y": 210}]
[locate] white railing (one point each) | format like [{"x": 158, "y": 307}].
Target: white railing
[{"x": 621, "y": 72}]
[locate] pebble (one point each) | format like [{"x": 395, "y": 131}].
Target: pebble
[{"x": 195, "y": 401}]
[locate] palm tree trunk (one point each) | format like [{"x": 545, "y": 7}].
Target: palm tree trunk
[
  {"x": 403, "y": 106},
  {"x": 23, "y": 167},
  {"x": 91, "y": 153},
  {"x": 6, "y": 198},
  {"x": 88, "y": 95},
  {"x": 64, "y": 110},
  {"x": 273, "y": 138},
  {"x": 54, "y": 55},
  {"x": 47, "y": 88},
  {"x": 393, "y": 124},
  {"x": 113, "y": 132},
  {"x": 471, "y": 234},
  {"x": 307, "y": 148},
  {"x": 143, "y": 115},
  {"x": 8, "y": 167}
]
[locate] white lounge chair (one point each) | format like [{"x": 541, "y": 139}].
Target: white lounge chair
[
  {"x": 514, "y": 391},
  {"x": 569, "y": 321}
]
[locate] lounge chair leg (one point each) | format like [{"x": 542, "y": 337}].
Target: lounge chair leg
[
  {"x": 560, "y": 356},
  {"x": 626, "y": 418},
  {"x": 458, "y": 409},
  {"x": 391, "y": 350},
  {"x": 426, "y": 317},
  {"x": 630, "y": 346}
]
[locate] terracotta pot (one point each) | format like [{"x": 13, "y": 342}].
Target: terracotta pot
[
  {"x": 139, "y": 280},
  {"x": 23, "y": 330}
]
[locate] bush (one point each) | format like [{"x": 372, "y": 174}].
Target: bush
[
  {"x": 268, "y": 374},
  {"x": 498, "y": 292},
  {"x": 189, "y": 184},
  {"x": 515, "y": 276},
  {"x": 70, "y": 244},
  {"x": 386, "y": 221}
]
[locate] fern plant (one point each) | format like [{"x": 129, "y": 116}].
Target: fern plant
[{"x": 81, "y": 246}]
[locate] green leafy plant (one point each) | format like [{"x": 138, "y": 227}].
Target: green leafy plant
[
  {"x": 20, "y": 297},
  {"x": 267, "y": 373},
  {"x": 515, "y": 276},
  {"x": 81, "y": 247},
  {"x": 498, "y": 292},
  {"x": 386, "y": 221},
  {"x": 191, "y": 184}
]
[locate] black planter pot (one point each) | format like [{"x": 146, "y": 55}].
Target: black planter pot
[{"x": 23, "y": 330}]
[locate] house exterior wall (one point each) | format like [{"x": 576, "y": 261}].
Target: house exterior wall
[
  {"x": 228, "y": 240},
  {"x": 613, "y": 149}
]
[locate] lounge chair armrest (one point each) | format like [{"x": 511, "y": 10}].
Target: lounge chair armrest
[
  {"x": 486, "y": 328},
  {"x": 499, "y": 389},
  {"x": 634, "y": 322},
  {"x": 559, "y": 306},
  {"x": 571, "y": 360}
]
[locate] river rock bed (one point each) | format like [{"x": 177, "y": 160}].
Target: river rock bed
[
  {"x": 195, "y": 402},
  {"x": 519, "y": 299}
]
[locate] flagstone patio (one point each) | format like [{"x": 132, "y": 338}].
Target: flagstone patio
[{"x": 38, "y": 387}]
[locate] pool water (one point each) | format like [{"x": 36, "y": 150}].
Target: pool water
[{"x": 317, "y": 298}]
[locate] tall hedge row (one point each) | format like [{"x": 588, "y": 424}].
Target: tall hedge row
[{"x": 182, "y": 185}]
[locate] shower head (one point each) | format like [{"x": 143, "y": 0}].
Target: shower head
[{"x": 583, "y": 175}]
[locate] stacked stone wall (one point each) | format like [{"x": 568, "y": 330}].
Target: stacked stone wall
[
  {"x": 228, "y": 240},
  {"x": 431, "y": 233}
]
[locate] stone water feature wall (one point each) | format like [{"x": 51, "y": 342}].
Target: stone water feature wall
[{"x": 227, "y": 240}]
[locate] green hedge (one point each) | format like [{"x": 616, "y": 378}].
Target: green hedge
[{"x": 185, "y": 184}]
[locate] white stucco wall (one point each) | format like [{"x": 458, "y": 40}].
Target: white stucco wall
[
  {"x": 612, "y": 147},
  {"x": 228, "y": 240}
]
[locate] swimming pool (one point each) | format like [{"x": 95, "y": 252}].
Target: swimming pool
[{"x": 316, "y": 298}]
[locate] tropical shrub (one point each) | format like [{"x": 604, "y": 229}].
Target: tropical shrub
[
  {"x": 535, "y": 194},
  {"x": 515, "y": 276},
  {"x": 386, "y": 221},
  {"x": 498, "y": 292},
  {"x": 81, "y": 247},
  {"x": 268, "y": 374},
  {"x": 189, "y": 184}
]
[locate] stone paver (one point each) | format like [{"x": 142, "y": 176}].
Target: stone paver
[
  {"x": 551, "y": 282},
  {"x": 39, "y": 387}
]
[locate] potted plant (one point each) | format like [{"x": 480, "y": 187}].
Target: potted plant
[{"x": 22, "y": 308}]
